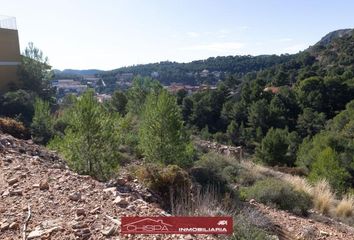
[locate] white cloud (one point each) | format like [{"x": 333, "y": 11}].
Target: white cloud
[
  {"x": 193, "y": 34},
  {"x": 244, "y": 27},
  {"x": 285, "y": 39},
  {"x": 216, "y": 47}
]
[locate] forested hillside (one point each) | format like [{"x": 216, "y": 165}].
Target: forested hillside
[
  {"x": 191, "y": 73},
  {"x": 278, "y": 110}
]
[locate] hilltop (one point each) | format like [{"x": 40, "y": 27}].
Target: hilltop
[{"x": 328, "y": 38}]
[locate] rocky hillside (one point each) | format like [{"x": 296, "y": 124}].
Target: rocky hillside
[
  {"x": 40, "y": 198},
  {"x": 40, "y": 194},
  {"x": 328, "y": 38}
]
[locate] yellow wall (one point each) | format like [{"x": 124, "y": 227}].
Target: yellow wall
[{"x": 9, "y": 56}]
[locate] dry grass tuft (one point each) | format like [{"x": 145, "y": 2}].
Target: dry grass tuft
[
  {"x": 203, "y": 203},
  {"x": 299, "y": 184},
  {"x": 14, "y": 128},
  {"x": 345, "y": 207},
  {"x": 323, "y": 197}
]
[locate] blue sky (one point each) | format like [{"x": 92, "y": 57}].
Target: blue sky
[{"x": 107, "y": 34}]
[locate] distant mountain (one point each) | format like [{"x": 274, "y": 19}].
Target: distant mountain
[
  {"x": 334, "y": 51},
  {"x": 77, "y": 72},
  {"x": 208, "y": 71},
  {"x": 334, "y": 35}
]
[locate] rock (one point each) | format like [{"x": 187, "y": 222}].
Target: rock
[
  {"x": 112, "y": 190},
  {"x": 308, "y": 232},
  {"x": 82, "y": 232},
  {"x": 78, "y": 225},
  {"x": 80, "y": 212},
  {"x": 5, "y": 193},
  {"x": 292, "y": 218},
  {"x": 18, "y": 167},
  {"x": 44, "y": 185},
  {"x": 121, "y": 181},
  {"x": 121, "y": 202},
  {"x": 35, "y": 185},
  {"x": 14, "y": 225},
  {"x": 4, "y": 227},
  {"x": 110, "y": 231},
  {"x": 95, "y": 210},
  {"x": 16, "y": 192},
  {"x": 323, "y": 233},
  {"x": 12, "y": 181},
  {"x": 252, "y": 201},
  {"x": 76, "y": 196}
]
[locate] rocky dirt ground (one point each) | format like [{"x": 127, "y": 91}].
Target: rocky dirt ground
[
  {"x": 289, "y": 226},
  {"x": 63, "y": 204}
]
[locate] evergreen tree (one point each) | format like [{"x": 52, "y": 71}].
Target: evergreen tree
[
  {"x": 119, "y": 102},
  {"x": 92, "y": 138},
  {"x": 42, "y": 123},
  {"x": 327, "y": 166},
  {"x": 274, "y": 147},
  {"x": 137, "y": 94},
  {"x": 35, "y": 72},
  {"x": 161, "y": 133},
  {"x": 310, "y": 122}
]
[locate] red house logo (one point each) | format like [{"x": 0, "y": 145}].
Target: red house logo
[
  {"x": 177, "y": 225},
  {"x": 147, "y": 225}
]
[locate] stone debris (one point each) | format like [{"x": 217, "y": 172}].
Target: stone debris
[
  {"x": 236, "y": 152},
  {"x": 65, "y": 205},
  {"x": 12, "y": 181},
  {"x": 76, "y": 196},
  {"x": 44, "y": 185},
  {"x": 305, "y": 228},
  {"x": 110, "y": 231},
  {"x": 80, "y": 212}
]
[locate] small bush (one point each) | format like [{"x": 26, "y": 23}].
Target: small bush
[
  {"x": 14, "y": 128},
  {"x": 281, "y": 195},
  {"x": 215, "y": 169},
  {"x": 42, "y": 123},
  {"x": 169, "y": 182},
  {"x": 345, "y": 208},
  {"x": 251, "y": 225}
]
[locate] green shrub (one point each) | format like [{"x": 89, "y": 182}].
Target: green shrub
[
  {"x": 327, "y": 166},
  {"x": 42, "y": 123},
  {"x": 250, "y": 225},
  {"x": 92, "y": 138},
  {"x": 18, "y": 104},
  {"x": 215, "y": 169},
  {"x": 281, "y": 195}
]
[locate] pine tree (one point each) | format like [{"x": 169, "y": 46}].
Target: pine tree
[
  {"x": 327, "y": 165},
  {"x": 92, "y": 138},
  {"x": 42, "y": 124},
  {"x": 162, "y": 135}
]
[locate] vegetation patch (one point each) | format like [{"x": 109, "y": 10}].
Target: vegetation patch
[{"x": 281, "y": 195}]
